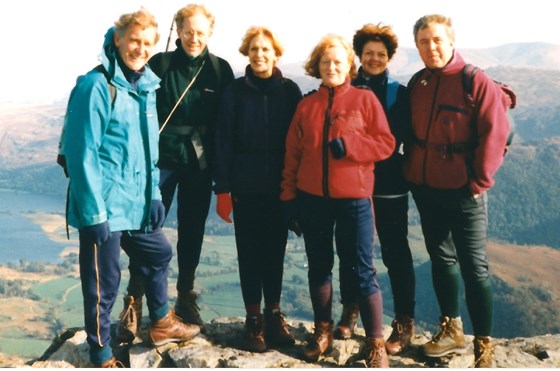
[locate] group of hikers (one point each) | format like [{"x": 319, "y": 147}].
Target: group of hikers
[{"x": 331, "y": 166}]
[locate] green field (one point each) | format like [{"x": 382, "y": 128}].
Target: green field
[{"x": 217, "y": 280}]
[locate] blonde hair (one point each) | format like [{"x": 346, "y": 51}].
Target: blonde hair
[
  {"x": 327, "y": 42},
  {"x": 191, "y": 10},
  {"x": 255, "y": 31},
  {"x": 142, "y": 18}
]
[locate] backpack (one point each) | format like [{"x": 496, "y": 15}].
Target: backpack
[
  {"x": 467, "y": 79},
  {"x": 61, "y": 158}
]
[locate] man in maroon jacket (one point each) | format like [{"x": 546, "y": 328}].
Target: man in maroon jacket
[{"x": 456, "y": 148}]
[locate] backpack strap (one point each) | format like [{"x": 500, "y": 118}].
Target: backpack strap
[
  {"x": 216, "y": 65},
  {"x": 414, "y": 79},
  {"x": 112, "y": 89}
]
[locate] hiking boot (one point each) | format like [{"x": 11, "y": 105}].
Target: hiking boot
[
  {"x": 170, "y": 328},
  {"x": 348, "y": 320},
  {"x": 129, "y": 319},
  {"x": 276, "y": 330},
  {"x": 483, "y": 352},
  {"x": 450, "y": 339},
  {"x": 400, "y": 338},
  {"x": 253, "y": 335},
  {"x": 187, "y": 309},
  {"x": 320, "y": 343},
  {"x": 376, "y": 354},
  {"x": 111, "y": 363}
]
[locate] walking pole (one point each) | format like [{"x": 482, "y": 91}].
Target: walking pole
[{"x": 170, "y": 32}]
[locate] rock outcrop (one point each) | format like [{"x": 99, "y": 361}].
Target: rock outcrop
[{"x": 218, "y": 348}]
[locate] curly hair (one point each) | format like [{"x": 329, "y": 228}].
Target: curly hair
[
  {"x": 255, "y": 31},
  {"x": 329, "y": 41},
  {"x": 376, "y": 32}
]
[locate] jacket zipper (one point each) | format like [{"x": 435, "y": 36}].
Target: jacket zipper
[{"x": 326, "y": 127}]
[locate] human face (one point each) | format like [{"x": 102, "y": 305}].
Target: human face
[
  {"x": 334, "y": 66},
  {"x": 194, "y": 34},
  {"x": 434, "y": 46},
  {"x": 136, "y": 45},
  {"x": 374, "y": 58},
  {"x": 262, "y": 56}
]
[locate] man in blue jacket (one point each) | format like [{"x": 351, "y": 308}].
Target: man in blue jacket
[{"x": 110, "y": 142}]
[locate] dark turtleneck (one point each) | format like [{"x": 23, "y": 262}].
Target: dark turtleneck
[{"x": 130, "y": 75}]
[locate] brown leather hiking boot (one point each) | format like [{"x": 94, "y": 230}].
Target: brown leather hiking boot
[
  {"x": 348, "y": 320},
  {"x": 449, "y": 339},
  {"x": 320, "y": 343},
  {"x": 376, "y": 354},
  {"x": 400, "y": 338},
  {"x": 111, "y": 363},
  {"x": 253, "y": 335},
  {"x": 187, "y": 309},
  {"x": 483, "y": 352},
  {"x": 276, "y": 330},
  {"x": 170, "y": 328},
  {"x": 129, "y": 319}
]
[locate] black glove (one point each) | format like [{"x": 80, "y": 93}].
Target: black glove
[
  {"x": 291, "y": 217},
  {"x": 337, "y": 148},
  {"x": 157, "y": 215},
  {"x": 97, "y": 233}
]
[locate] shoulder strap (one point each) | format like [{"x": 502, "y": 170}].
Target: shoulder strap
[
  {"x": 217, "y": 69},
  {"x": 414, "y": 79},
  {"x": 468, "y": 76},
  {"x": 112, "y": 89}
]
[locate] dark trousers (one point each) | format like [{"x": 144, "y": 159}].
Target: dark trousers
[
  {"x": 391, "y": 223},
  {"x": 100, "y": 275},
  {"x": 260, "y": 236},
  {"x": 455, "y": 227},
  {"x": 350, "y": 222},
  {"x": 194, "y": 191}
]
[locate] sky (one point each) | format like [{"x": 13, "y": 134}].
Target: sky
[{"x": 46, "y": 44}]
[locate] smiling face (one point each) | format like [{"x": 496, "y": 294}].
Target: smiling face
[
  {"x": 374, "y": 58},
  {"x": 262, "y": 56},
  {"x": 334, "y": 66},
  {"x": 135, "y": 45},
  {"x": 434, "y": 46},
  {"x": 195, "y": 33}
]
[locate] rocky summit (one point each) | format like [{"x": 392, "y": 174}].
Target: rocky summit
[{"x": 219, "y": 348}]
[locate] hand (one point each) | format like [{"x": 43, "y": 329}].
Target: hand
[
  {"x": 96, "y": 234},
  {"x": 224, "y": 206},
  {"x": 157, "y": 214},
  {"x": 291, "y": 217},
  {"x": 337, "y": 148}
]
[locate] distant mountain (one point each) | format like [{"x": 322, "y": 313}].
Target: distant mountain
[{"x": 406, "y": 61}]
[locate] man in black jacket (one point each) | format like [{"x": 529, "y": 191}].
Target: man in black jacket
[{"x": 187, "y": 103}]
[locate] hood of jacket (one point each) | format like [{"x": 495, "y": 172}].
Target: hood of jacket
[{"x": 108, "y": 58}]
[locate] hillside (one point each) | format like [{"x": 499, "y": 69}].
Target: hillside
[{"x": 39, "y": 300}]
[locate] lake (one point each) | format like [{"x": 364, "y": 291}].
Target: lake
[{"x": 21, "y": 238}]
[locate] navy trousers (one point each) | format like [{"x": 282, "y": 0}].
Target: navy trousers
[
  {"x": 100, "y": 274},
  {"x": 350, "y": 222},
  {"x": 260, "y": 236}
]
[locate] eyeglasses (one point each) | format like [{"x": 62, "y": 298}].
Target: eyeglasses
[{"x": 193, "y": 33}]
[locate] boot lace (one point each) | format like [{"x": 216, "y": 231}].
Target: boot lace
[
  {"x": 445, "y": 330},
  {"x": 486, "y": 354}
]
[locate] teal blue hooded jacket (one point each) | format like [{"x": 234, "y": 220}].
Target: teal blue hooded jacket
[{"x": 111, "y": 146}]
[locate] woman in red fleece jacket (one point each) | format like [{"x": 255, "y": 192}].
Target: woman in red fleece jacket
[{"x": 336, "y": 135}]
